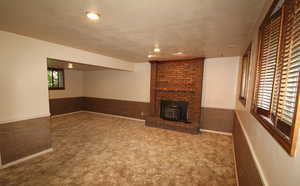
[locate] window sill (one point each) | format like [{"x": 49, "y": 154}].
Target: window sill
[
  {"x": 280, "y": 138},
  {"x": 56, "y": 88}
]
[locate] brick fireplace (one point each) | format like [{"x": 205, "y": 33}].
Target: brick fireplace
[{"x": 179, "y": 85}]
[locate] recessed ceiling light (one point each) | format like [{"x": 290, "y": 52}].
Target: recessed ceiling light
[
  {"x": 92, "y": 15},
  {"x": 156, "y": 50},
  {"x": 70, "y": 65}
]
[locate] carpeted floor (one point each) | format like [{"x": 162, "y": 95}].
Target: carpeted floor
[{"x": 91, "y": 149}]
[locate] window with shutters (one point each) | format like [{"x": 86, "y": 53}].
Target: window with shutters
[
  {"x": 245, "y": 75},
  {"x": 277, "y": 74}
]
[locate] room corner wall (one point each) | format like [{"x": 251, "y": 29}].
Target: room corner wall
[
  {"x": 69, "y": 99},
  {"x": 73, "y": 85},
  {"x": 24, "y": 108},
  {"x": 119, "y": 85},
  {"x": 118, "y": 92},
  {"x": 219, "y": 91}
]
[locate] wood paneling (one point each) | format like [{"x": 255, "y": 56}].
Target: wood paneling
[
  {"x": 248, "y": 174},
  {"x": 217, "y": 119},
  {"x": 24, "y": 138},
  {"x": 211, "y": 118},
  {"x": 117, "y": 107},
  {"x": 65, "y": 105}
]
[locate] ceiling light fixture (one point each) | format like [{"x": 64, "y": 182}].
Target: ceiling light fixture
[
  {"x": 92, "y": 15},
  {"x": 156, "y": 50},
  {"x": 70, "y": 65},
  {"x": 178, "y": 53}
]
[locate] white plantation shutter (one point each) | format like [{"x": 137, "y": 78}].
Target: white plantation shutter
[
  {"x": 290, "y": 67},
  {"x": 267, "y": 63},
  {"x": 277, "y": 75},
  {"x": 278, "y": 67}
]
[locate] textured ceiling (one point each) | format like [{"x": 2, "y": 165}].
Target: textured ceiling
[{"x": 129, "y": 29}]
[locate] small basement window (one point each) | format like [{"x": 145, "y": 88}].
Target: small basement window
[{"x": 56, "y": 79}]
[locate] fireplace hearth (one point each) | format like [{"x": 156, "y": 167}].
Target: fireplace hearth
[{"x": 173, "y": 110}]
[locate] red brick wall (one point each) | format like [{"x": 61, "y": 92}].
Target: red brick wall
[{"x": 178, "y": 81}]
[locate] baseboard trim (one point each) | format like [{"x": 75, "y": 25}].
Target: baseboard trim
[
  {"x": 235, "y": 164},
  {"x": 259, "y": 168},
  {"x": 26, "y": 158},
  {"x": 116, "y": 116},
  {"x": 70, "y": 113},
  {"x": 216, "y": 132}
]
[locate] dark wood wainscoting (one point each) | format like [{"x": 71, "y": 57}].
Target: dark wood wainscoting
[
  {"x": 247, "y": 171},
  {"x": 211, "y": 118},
  {"x": 217, "y": 119},
  {"x": 65, "y": 105},
  {"x": 117, "y": 107},
  {"x": 23, "y": 138}
]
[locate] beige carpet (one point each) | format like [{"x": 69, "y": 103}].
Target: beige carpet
[{"x": 90, "y": 149}]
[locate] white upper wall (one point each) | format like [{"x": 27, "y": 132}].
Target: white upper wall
[
  {"x": 23, "y": 73},
  {"x": 122, "y": 85},
  {"x": 219, "y": 82},
  {"x": 73, "y": 85}
]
